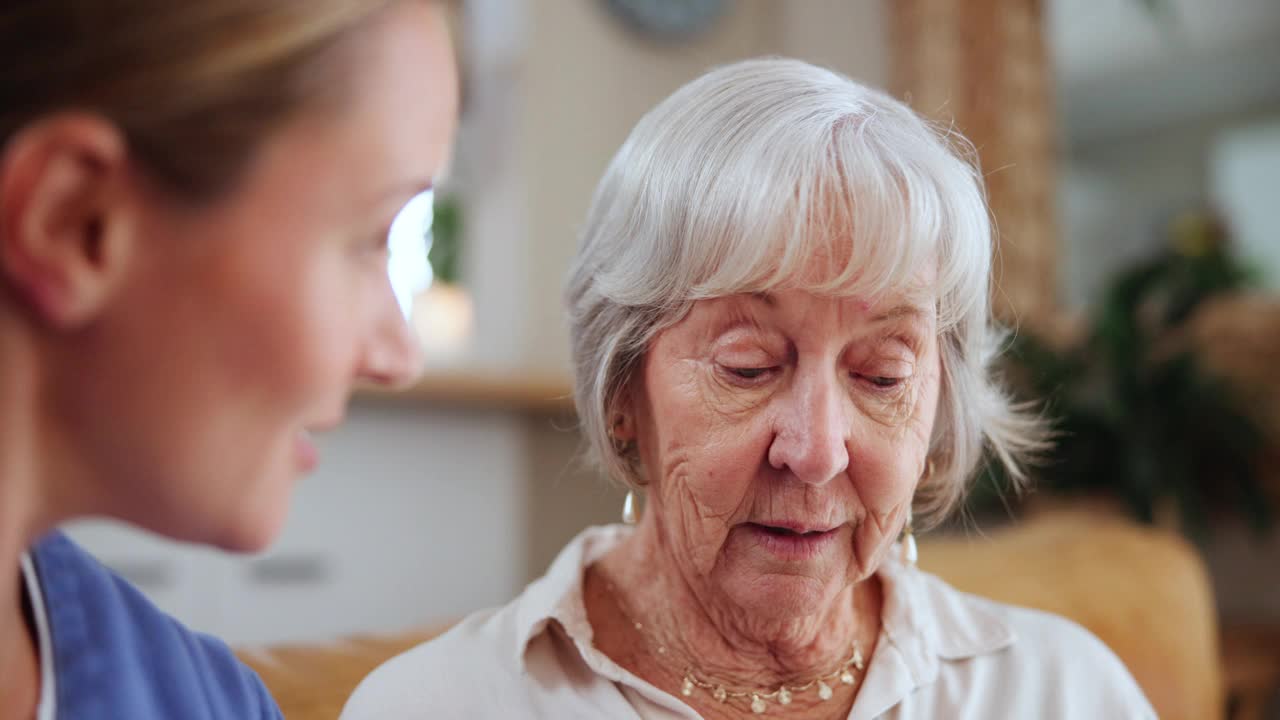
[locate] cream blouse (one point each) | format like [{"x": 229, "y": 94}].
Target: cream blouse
[{"x": 941, "y": 654}]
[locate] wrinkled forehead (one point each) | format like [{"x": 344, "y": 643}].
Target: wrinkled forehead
[{"x": 802, "y": 308}]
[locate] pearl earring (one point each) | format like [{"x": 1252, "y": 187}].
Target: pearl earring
[
  {"x": 629, "y": 513},
  {"x": 909, "y": 551}
]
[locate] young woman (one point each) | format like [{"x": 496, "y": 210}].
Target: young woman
[{"x": 195, "y": 200}]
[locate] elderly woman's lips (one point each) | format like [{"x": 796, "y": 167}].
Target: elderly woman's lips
[{"x": 788, "y": 544}]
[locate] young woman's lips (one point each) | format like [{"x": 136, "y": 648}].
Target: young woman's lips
[
  {"x": 305, "y": 452},
  {"x": 787, "y": 544}
]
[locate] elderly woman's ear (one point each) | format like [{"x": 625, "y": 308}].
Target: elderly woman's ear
[
  {"x": 622, "y": 433},
  {"x": 623, "y": 427}
]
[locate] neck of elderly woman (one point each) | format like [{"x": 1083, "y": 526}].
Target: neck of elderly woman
[{"x": 721, "y": 642}]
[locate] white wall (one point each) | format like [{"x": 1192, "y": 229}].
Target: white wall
[
  {"x": 1114, "y": 199},
  {"x": 1245, "y": 181},
  {"x": 1116, "y": 194},
  {"x": 1147, "y": 95}
]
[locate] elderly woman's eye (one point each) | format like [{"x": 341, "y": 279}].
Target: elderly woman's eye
[
  {"x": 883, "y": 382},
  {"x": 749, "y": 373}
]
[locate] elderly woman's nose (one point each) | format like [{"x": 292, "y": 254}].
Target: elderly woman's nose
[{"x": 811, "y": 439}]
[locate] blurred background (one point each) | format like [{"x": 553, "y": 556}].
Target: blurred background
[{"x": 1132, "y": 154}]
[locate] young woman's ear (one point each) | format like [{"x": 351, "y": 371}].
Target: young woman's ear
[{"x": 64, "y": 235}]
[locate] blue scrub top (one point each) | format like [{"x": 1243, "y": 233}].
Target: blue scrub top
[{"x": 116, "y": 656}]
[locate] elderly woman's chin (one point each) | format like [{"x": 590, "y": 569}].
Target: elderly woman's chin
[{"x": 776, "y": 573}]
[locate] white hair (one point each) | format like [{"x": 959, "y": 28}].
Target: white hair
[{"x": 745, "y": 178}]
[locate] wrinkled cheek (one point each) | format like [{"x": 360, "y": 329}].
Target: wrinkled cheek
[
  {"x": 704, "y": 495},
  {"x": 718, "y": 489},
  {"x": 884, "y": 484},
  {"x": 885, "y": 488},
  {"x": 873, "y": 539},
  {"x": 718, "y": 472}
]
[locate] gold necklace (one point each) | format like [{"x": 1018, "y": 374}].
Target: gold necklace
[
  {"x": 757, "y": 700},
  {"x": 783, "y": 694}
]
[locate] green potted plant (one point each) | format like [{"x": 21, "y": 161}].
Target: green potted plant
[{"x": 1137, "y": 416}]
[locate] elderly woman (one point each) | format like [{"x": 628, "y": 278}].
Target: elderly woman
[
  {"x": 782, "y": 338},
  {"x": 195, "y": 207}
]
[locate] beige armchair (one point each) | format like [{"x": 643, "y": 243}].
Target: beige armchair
[{"x": 1144, "y": 591}]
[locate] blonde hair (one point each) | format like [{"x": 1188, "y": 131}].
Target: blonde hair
[
  {"x": 194, "y": 86},
  {"x": 736, "y": 183}
]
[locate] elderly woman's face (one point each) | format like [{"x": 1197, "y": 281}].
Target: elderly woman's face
[{"x": 783, "y": 436}]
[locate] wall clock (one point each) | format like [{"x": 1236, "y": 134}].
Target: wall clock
[{"x": 668, "y": 20}]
